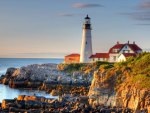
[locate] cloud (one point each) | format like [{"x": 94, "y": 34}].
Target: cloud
[
  {"x": 66, "y": 14},
  {"x": 143, "y": 24},
  {"x": 142, "y": 16},
  {"x": 85, "y": 5},
  {"x": 141, "y": 13},
  {"x": 144, "y": 5}
]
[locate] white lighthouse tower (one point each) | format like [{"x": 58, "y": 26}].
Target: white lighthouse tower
[{"x": 86, "y": 47}]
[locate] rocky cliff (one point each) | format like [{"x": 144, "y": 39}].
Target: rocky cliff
[
  {"x": 126, "y": 84},
  {"x": 48, "y": 77},
  {"x": 35, "y": 75}
]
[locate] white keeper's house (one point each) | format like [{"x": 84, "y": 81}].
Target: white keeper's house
[{"x": 117, "y": 53}]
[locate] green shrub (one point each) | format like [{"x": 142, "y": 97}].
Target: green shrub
[
  {"x": 141, "y": 80},
  {"x": 99, "y": 63},
  {"x": 136, "y": 70},
  {"x": 106, "y": 66}
]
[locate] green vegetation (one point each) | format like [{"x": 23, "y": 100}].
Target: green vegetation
[
  {"x": 71, "y": 67},
  {"x": 136, "y": 70},
  {"x": 142, "y": 81},
  {"x": 105, "y": 64},
  {"x": 84, "y": 67}
]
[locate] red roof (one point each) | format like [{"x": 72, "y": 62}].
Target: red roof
[
  {"x": 129, "y": 54},
  {"x": 133, "y": 46},
  {"x": 73, "y": 55},
  {"x": 117, "y": 46},
  {"x": 100, "y": 55}
]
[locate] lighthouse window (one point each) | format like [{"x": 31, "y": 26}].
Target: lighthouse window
[{"x": 86, "y": 42}]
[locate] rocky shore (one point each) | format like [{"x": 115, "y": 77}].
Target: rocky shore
[
  {"x": 45, "y": 77},
  {"x": 99, "y": 87},
  {"x": 65, "y": 104}
]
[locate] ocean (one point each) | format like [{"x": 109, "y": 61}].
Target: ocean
[{"x": 9, "y": 93}]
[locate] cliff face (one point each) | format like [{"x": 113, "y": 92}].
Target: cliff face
[
  {"x": 134, "y": 98},
  {"x": 101, "y": 90},
  {"x": 125, "y": 85}
]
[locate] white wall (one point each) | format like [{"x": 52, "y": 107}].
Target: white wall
[
  {"x": 121, "y": 58},
  {"x": 111, "y": 57}
]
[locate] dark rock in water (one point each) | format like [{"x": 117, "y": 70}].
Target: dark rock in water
[
  {"x": 7, "y": 103},
  {"x": 10, "y": 71},
  {"x": 5, "y": 81}
]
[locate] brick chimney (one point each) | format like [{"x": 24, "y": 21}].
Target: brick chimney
[
  {"x": 133, "y": 42},
  {"x": 117, "y": 42}
]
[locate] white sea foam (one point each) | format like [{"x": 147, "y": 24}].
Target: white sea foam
[{"x": 2, "y": 71}]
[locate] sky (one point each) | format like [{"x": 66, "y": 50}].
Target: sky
[{"x": 53, "y": 28}]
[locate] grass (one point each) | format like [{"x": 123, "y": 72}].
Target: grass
[{"x": 141, "y": 80}]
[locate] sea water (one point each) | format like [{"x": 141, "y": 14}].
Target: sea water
[{"x": 10, "y": 93}]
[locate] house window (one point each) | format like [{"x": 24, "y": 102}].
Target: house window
[
  {"x": 115, "y": 50},
  {"x": 126, "y": 51},
  {"x": 93, "y": 59},
  {"x": 98, "y": 58},
  {"x": 86, "y": 43}
]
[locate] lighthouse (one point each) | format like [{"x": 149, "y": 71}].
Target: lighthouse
[{"x": 86, "y": 46}]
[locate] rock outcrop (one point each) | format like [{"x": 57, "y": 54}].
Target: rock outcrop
[
  {"x": 48, "y": 78},
  {"x": 126, "y": 96},
  {"x": 125, "y": 85},
  {"x": 35, "y": 75},
  {"x": 101, "y": 90},
  {"x": 27, "y": 103},
  {"x": 134, "y": 98},
  {"x": 65, "y": 104}
]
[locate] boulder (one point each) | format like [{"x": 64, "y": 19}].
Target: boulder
[
  {"x": 21, "y": 97},
  {"x": 6, "y": 103},
  {"x": 12, "y": 71},
  {"x": 5, "y": 81},
  {"x": 54, "y": 92}
]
